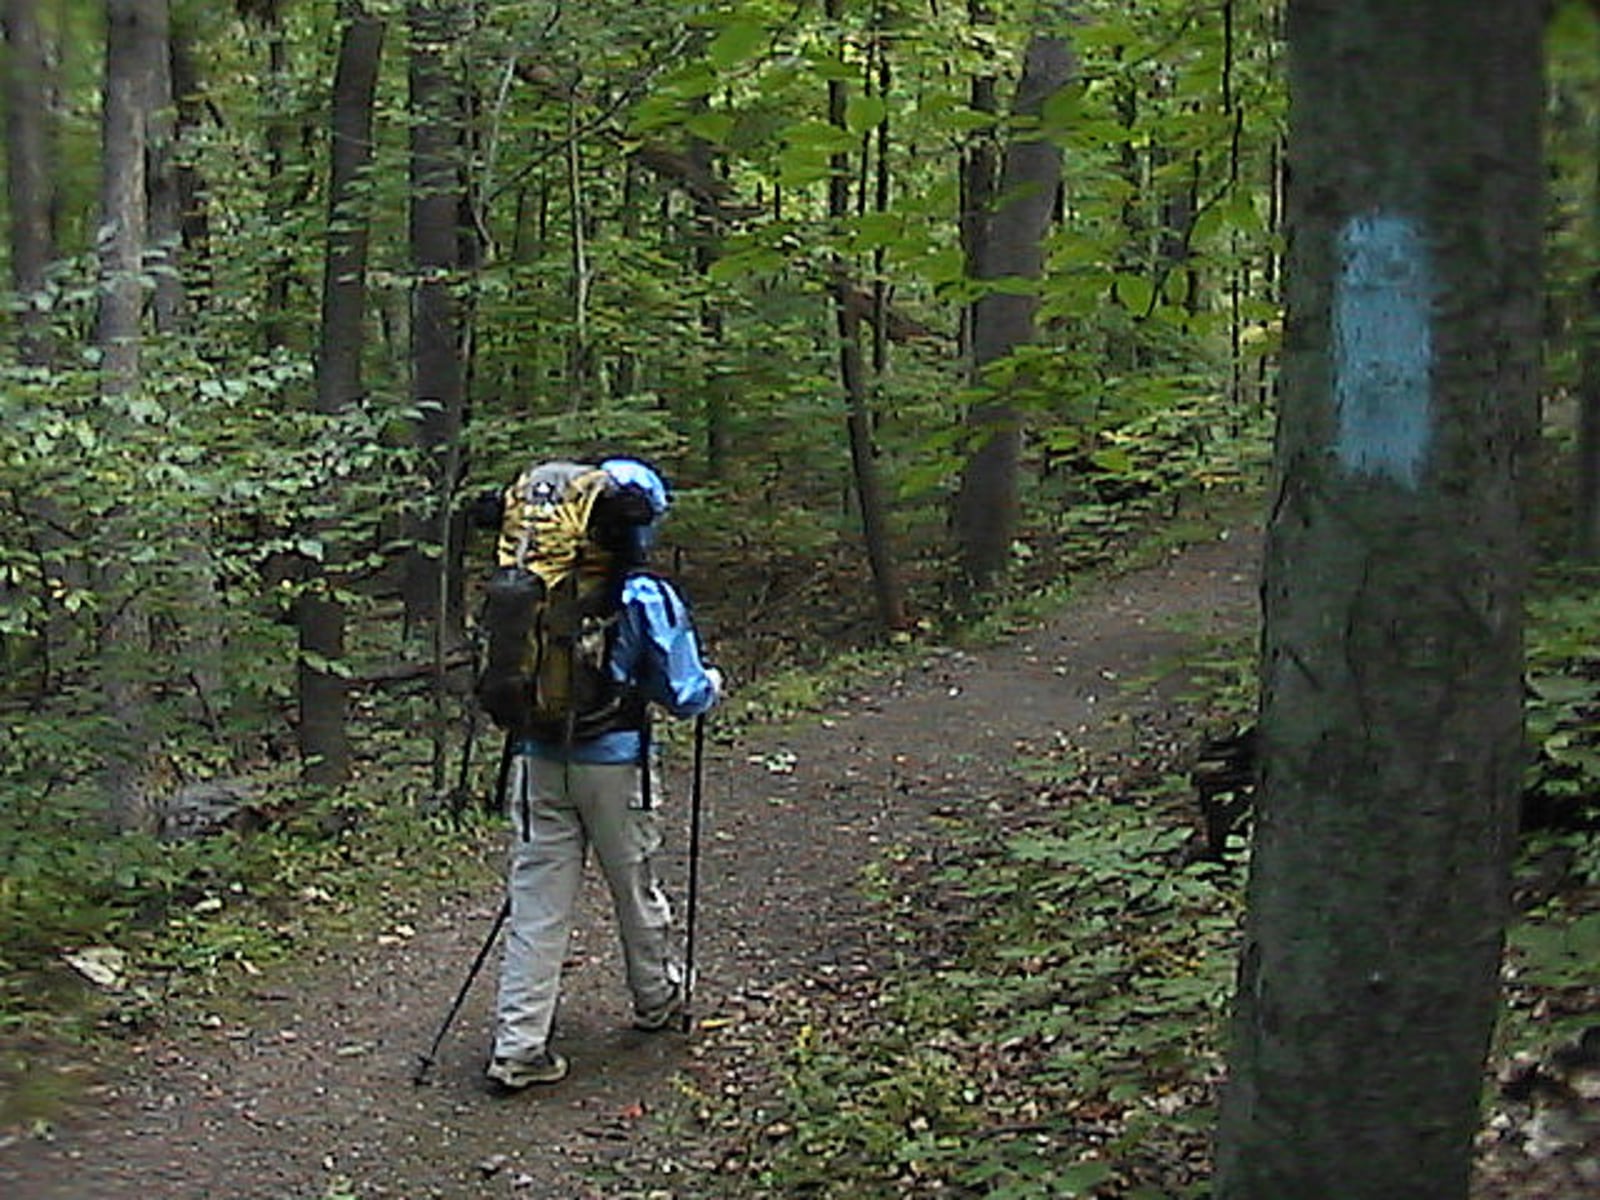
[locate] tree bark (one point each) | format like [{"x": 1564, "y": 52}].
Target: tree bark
[
  {"x": 136, "y": 49},
  {"x": 1586, "y": 461},
  {"x": 433, "y": 592},
  {"x": 1586, "y": 467},
  {"x": 28, "y": 176},
  {"x": 164, "y": 203},
  {"x": 1010, "y": 248},
  {"x": 133, "y": 27},
  {"x": 1391, "y": 737},
  {"x": 434, "y": 595},
  {"x": 719, "y": 388},
  {"x": 323, "y": 695},
  {"x": 194, "y": 221},
  {"x": 980, "y": 166},
  {"x": 852, "y": 375},
  {"x": 31, "y": 192},
  {"x": 275, "y": 87}
]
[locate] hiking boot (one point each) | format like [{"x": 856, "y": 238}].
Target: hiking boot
[
  {"x": 514, "y": 1074},
  {"x": 659, "y": 1016}
]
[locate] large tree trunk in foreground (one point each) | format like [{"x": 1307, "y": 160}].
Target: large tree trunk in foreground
[{"x": 1391, "y": 722}]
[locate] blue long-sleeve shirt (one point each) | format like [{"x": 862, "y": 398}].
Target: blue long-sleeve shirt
[{"x": 656, "y": 652}]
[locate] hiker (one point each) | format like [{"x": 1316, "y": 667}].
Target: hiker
[{"x": 580, "y": 773}]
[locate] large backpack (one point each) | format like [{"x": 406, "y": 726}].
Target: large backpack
[{"x": 551, "y": 608}]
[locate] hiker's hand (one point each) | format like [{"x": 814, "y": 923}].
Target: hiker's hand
[{"x": 718, "y": 685}]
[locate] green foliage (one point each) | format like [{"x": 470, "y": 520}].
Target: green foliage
[
  {"x": 679, "y": 157},
  {"x": 187, "y": 913},
  {"x": 1563, "y": 702},
  {"x": 1552, "y": 942},
  {"x": 1570, "y": 133},
  {"x": 1070, "y": 1038}
]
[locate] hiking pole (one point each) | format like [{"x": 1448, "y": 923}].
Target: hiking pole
[
  {"x": 424, "y": 1061},
  {"x": 695, "y": 797}
]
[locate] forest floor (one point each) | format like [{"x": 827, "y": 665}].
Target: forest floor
[{"x": 301, "y": 1087}]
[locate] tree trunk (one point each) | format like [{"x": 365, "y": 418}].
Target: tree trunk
[
  {"x": 131, "y": 27},
  {"x": 1586, "y": 468},
  {"x": 172, "y": 189},
  {"x": 852, "y": 373},
  {"x": 28, "y": 176},
  {"x": 433, "y": 594},
  {"x": 1391, "y": 731},
  {"x": 136, "y": 49},
  {"x": 1012, "y": 247},
  {"x": 1586, "y": 464},
  {"x": 324, "y": 736},
  {"x": 580, "y": 351},
  {"x": 706, "y": 233},
  {"x": 883, "y": 177},
  {"x": 275, "y": 88},
  {"x": 194, "y": 221},
  {"x": 980, "y": 164},
  {"x": 164, "y": 202}
]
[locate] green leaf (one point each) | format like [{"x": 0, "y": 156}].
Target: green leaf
[
  {"x": 1114, "y": 460},
  {"x": 713, "y": 127},
  {"x": 879, "y": 231},
  {"x": 1080, "y": 1178},
  {"x": 322, "y": 664},
  {"x": 758, "y": 260},
  {"x": 818, "y": 136},
  {"x": 799, "y": 165},
  {"x": 1242, "y": 214},
  {"x": 862, "y": 113},
  {"x": 1562, "y": 689},
  {"x": 1062, "y": 109},
  {"x": 1134, "y": 292},
  {"x": 735, "y": 43}
]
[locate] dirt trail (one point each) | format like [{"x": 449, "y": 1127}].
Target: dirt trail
[{"x": 309, "y": 1097}]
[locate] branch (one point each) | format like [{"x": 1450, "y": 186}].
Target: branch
[
  {"x": 401, "y": 672},
  {"x": 717, "y": 201}
]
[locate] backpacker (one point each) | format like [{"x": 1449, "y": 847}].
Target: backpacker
[{"x": 550, "y": 610}]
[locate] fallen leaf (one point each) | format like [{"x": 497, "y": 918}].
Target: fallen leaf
[{"x": 103, "y": 966}]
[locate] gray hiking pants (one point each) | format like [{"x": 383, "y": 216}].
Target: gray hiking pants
[{"x": 558, "y": 810}]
